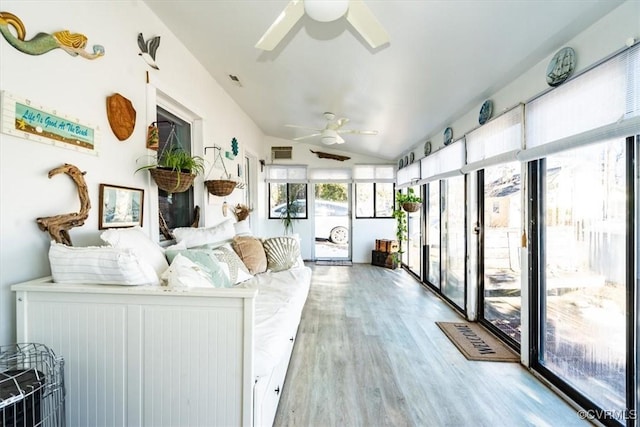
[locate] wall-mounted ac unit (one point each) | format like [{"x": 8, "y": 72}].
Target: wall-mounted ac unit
[{"x": 281, "y": 153}]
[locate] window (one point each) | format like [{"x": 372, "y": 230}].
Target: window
[
  {"x": 283, "y": 195},
  {"x": 374, "y": 200},
  {"x": 176, "y": 209}
]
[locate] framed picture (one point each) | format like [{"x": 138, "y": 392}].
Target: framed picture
[{"x": 120, "y": 206}]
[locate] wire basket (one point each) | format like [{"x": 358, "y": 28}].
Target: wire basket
[
  {"x": 172, "y": 181},
  {"x": 31, "y": 386},
  {"x": 220, "y": 187}
]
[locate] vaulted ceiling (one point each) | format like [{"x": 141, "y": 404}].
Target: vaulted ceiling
[{"x": 444, "y": 57}]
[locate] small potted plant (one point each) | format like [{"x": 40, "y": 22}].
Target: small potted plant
[
  {"x": 174, "y": 169},
  {"x": 410, "y": 201}
]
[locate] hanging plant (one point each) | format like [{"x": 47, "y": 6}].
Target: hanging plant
[
  {"x": 410, "y": 202},
  {"x": 220, "y": 187},
  {"x": 173, "y": 169}
]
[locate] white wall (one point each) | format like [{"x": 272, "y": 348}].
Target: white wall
[
  {"x": 79, "y": 87},
  {"x": 364, "y": 231}
]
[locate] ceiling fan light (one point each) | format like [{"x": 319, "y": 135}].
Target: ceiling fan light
[{"x": 325, "y": 10}]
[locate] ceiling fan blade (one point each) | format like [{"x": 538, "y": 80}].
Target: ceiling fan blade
[
  {"x": 304, "y": 127},
  {"x": 282, "y": 25},
  {"x": 358, "y": 132},
  {"x": 300, "y": 138},
  {"x": 365, "y": 22}
]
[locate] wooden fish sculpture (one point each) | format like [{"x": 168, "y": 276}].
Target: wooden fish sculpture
[
  {"x": 323, "y": 155},
  {"x": 72, "y": 43}
]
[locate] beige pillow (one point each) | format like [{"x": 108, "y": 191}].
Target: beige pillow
[{"x": 251, "y": 252}]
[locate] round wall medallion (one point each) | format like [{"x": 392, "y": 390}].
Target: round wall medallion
[
  {"x": 427, "y": 148},
  {"x": 400, "y": 163},
  {"x": 561, "y": 66},
  {"x": 448, "y": 136},
  {"x": 406, "y": 160},
  {"x": 412, "y": 157},
  {"x": 485, "y": 111}
]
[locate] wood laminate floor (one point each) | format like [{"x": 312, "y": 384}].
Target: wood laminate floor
[{"x": 369, "y": 353}]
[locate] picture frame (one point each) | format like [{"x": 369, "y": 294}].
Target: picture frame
[
  {"x": 120, "y": 207},
  {"x": 24, "y": 118}
]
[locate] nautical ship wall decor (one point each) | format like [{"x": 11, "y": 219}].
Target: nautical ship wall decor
[{"x": 561, "y": 66}]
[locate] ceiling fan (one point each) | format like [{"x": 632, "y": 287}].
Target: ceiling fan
[
  {"x": 330, "y": 134},
  {"x": 357, "y": 14}
]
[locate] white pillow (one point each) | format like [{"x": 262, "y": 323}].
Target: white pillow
[
  {"x": 184, "y": 273},
  {"x": 99, "y": 265},
  {"x": 136, "y": 239},
  {"x": 242, "y": 228},
  {"x": 219, "y": 234}
]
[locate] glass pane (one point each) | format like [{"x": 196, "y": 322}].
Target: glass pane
[
  {"x": 433, "y": 233},
  {"x": 384, "y": 200},
  {"x": 364, "y": 200},
  {"x": 453, "y": 240},
  {"x": 175, "y": 208},
  {"x": 501, "y": 248},
  {"x": 277, "y": 199},
  {"x": 332, "y": 221},
  {"x": 296, "y": 194},
  {"x": 584, "y": 271},
  {"x": 414, "y": 246}
]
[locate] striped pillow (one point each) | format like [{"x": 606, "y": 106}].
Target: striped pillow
[{"x": 99, "y": 265}]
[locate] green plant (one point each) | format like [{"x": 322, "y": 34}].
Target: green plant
[
  {"x": 177, "y": 160},
  {"x": 401, "y": 217},
  {"x": 409, "y": 197},
  {"x": 288, "y": 215}
]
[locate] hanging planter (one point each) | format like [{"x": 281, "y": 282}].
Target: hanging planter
[
  {"x": 411, "y": 206},
  {"x": 220, "y": 187},
  {"x": 174, "y": 170}
]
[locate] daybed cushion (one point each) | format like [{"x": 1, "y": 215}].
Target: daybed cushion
[
  {"x": 99, "y": 265},
  {"x": 206, "y": 261},
  {"x": 216, "y": 235},
  {"x": 242, "y": 228},
  {"x": 251, "y": 252},
  {"x": 137, "y": 240},
  {"x": 184, "y": 273},
  {"x": 282, "y": 252},
  {"x": 279, "y": 303}
]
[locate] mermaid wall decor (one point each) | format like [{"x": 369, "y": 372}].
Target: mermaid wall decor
[{"x": 72, "y": 43}]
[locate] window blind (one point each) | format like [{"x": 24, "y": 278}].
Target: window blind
[
  {"x": 408, "y": 176},
  {"x": 498, "y": 141},
  {"x": 444, "y": 163},
  {"x": 373, "y": 173},
  {"x": 602, "y": 103},
  {"x": 286, "y": 173},
  {"x": 330, "y": 175}
]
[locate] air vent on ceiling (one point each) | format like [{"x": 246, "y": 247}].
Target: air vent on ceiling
[{"x": 281, "y": 153}]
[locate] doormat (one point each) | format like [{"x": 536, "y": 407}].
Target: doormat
[
  {"x": 476, "y": 343},
  {"x": 335, "y": 262}
]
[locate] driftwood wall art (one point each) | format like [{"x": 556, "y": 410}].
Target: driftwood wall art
[
  {"x": 72, "y": 43},
  {"x": 323, "y": 155},
  {"x": 121, "y": 116},
  {"x": 58, "y": 226}
]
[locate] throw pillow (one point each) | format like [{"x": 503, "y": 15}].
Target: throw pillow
[
  {"x": 217, "y": 235},
  {"x": 282, "y": 252},
  {"x": 99, "y": 265},
  {"x": 242, "y": 228},
  {"x": 251, "y": 252},
  {"x": 207, "y": 261},
  {"x": 184, "y": 273},
  {"x": 237, "y": 270},
  {"x": 137, "y": 240}
]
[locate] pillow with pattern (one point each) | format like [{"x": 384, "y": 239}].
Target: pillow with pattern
[
  {"x": 282, "y": 252},
  {"x": 207, "y": 261},
  {"x": 237, "y": 270}
]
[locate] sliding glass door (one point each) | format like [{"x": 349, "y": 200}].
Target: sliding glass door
[
  {"x": 414, "y": 242},
  {"x": 585, "y": 274},
  {"x": 453, "y": 240},
  {"x": 432, "y": 234},
  {"x": 500, "y": 242}
]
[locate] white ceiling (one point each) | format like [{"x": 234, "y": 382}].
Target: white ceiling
[{"x": 444, "y": 57}]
